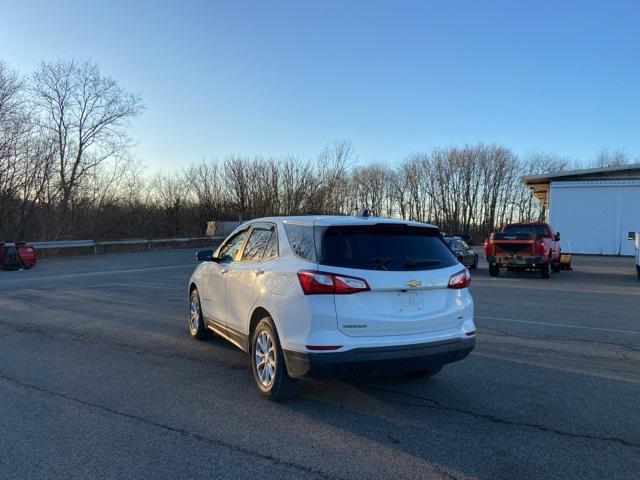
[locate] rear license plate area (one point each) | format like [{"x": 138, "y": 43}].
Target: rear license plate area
[{"x": 409, "y": 302}]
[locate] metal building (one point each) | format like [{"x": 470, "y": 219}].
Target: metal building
[{"x": 593, "y": 209}]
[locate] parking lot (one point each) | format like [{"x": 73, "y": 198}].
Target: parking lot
[{"x": 99, "y": 378}]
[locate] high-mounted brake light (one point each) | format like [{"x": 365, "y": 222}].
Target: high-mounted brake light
[
  {"x": 314, "y": 283},
  {"x": 462, "y": 279}
]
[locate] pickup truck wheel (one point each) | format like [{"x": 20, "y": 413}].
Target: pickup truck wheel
[
  {"x": 545, "y": 270},
  {"x": 556, "y": 267},
  {"x": 494, "y": 270}
]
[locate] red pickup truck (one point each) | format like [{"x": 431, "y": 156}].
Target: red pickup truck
[
  {"x": 17, "y": 256},
  {"x": 524, "y": 246}
]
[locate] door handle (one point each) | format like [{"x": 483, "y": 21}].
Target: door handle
[
  {"x": 258, "y": 271},
  {"x": 224, "y": 270}
]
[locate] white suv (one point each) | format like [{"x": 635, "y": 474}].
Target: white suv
[{"x": 332, "y": 296}]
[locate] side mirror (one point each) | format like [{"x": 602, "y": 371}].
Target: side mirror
[
  {"x": 205, "y": 256},
  {"x": 557, "y": 236}
]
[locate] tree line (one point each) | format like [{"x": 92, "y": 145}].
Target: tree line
[{"x": 66, "y": 172}]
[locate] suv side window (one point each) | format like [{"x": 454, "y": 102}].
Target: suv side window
[
  {"x": 255, "y": 248},
  {"x": 301, "y": 240},
  {"x": 272, "y": 247},
  {"x": 230, "y": 250}
]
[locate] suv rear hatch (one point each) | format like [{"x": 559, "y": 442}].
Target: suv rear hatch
[{"x": 407, "y": 269}]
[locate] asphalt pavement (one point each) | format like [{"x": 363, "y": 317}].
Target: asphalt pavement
[{"x": 99, "y": 378}]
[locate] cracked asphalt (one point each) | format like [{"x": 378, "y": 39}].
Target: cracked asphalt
[{"x": 100, "y": 379}]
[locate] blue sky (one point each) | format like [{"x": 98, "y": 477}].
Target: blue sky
[{"x": 394, "y": 77}]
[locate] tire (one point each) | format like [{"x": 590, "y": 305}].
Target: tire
[
  {"x": 266, "y": 352},
  {"x": 426, "y": 373},
  {"x": 556, "y": 267},
  {"x": 638, "y": 269},
  {"x": 197, "y": 328},
  {"x": 475, "y": 264},
  {"x": 494, "y": 270},
  {"x": 545, "y": 270}
]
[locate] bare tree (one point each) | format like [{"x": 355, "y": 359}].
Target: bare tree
[
  {"x": 25, "y": 158},
  {"x": 87, "y": 115},
  {"x": 610, "y": 158},
  {"x": 371, "y": 185},
  {"x": 330, "y": 192},
  {"x": 171, "y": 193},
  {"x": 206, "y": 185},
  {"x": 236, "y": 178},
  {"x": 297, "y": 181}
]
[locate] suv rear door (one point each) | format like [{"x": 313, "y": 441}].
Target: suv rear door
[{"x": 407, "y": 268}]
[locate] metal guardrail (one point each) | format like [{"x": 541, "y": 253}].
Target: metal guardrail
[{"x": 61, "y": 244}]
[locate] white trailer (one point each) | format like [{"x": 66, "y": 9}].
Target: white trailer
[
  {"x": 636, "y": 236},
  {"x": 594, "y": 209}
]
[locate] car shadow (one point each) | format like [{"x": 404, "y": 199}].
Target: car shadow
[{"x": 399, "y": 414}]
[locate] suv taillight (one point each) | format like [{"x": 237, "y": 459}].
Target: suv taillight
[
  {"x": 314, "y": 282},
  {"x": 462, "y": 279}
]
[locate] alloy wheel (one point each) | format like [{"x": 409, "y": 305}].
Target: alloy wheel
[
  {"x": 265, "y": 359},
  {"x": 194, "y": 315}
]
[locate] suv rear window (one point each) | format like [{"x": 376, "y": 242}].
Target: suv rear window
[{"x": 394, "y": 247}]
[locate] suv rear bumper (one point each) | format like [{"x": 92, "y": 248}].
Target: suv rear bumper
[{"x": 361, "y": 362}]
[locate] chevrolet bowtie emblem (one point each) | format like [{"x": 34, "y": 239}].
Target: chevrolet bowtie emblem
[{"x": 413, "y": 283}]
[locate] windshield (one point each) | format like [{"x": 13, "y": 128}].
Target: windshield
[{"x": 394, "y": 247}]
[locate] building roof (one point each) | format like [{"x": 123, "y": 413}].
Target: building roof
[{"x": 539, "y": 185}]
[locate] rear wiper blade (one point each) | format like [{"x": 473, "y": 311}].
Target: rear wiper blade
[
  {"x": 381, "y": 263},
  {"x": 422, "y": 263}
]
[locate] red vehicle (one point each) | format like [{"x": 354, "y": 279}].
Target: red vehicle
[
  {"x": 17, "y": 256},
  {"x": 524, "y": 246}
]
